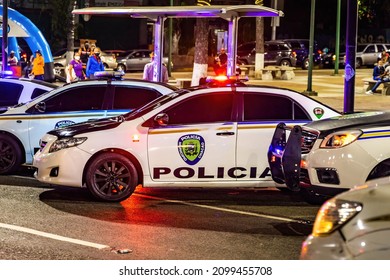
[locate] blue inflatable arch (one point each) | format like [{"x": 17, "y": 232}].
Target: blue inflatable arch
[{"x": 21, "y": 26}]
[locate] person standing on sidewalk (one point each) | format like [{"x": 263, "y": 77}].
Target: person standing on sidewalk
[
  {"x": 149, "y": 69},
  {"x": 94, "y": 64},
  {"x": 380, "y": 75},
  {"x": 38, "y": 68}
]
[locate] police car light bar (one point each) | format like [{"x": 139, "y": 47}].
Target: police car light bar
[
  {"x": 109, "y": 74},
  {"x": 6, "y": 73}
]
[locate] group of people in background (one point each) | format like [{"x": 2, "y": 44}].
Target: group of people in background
[
  {"x": 34, "y": 68},
  {"x": 85, "y": 63}
]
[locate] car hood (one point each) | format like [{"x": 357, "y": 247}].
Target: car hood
[
  {"x": 86, "y": 127},
  {"x": 357, "y": 120}
]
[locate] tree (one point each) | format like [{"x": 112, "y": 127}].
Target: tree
[
  {"x": 259, "y": 61},
  {"x": 62, "y": 22},
  {"x": 201, "y": 50}
]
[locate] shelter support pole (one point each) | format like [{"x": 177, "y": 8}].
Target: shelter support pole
[
  {"x": 5, "y": 36},
  {"x": 232, "y": 41},
  {"x": 158, "y": 48},
  {"x": 350, "y": 56}
]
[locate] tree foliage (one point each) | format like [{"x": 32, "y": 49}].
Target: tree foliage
[
  {"x": 61, "y": 19},
  {"x": 374, "y": 13}
]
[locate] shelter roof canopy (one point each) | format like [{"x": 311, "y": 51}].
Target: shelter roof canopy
[{"x": 152, "y": 12}]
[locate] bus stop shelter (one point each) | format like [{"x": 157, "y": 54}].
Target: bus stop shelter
[{"x": 158, "y": 14}]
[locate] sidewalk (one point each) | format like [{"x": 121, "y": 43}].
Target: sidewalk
[{"x": 329, "y": 87}]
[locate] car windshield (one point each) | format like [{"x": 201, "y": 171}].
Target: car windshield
[
  {"x": 155, "y": 104},
  {"x": 122, "y": 54}
]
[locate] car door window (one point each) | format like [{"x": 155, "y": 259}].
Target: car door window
[
  {"x": 271, "y": 107},
  {"x": 145, "y": 54},
  {"x": 37, "y": 92},
  {"x": 77, "y": 99},
  {"x": 381, "y": 48},
  {"x": 370, "y": 49},
  {"x": 204, "y": 108},
  {"x": 10, "y": 93},
  {"x": 133, "y": 97},
  {"x": 272, "y": 48}
]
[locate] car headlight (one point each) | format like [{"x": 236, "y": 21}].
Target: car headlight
[
  {"x": 333, "y": 214},
  {"x": 65, "y": 143},
  {"x": 340, "y": 139}
]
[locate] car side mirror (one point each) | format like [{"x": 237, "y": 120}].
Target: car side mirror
[
  {"x": 41, "y": 107},
  {"x": 161, "y": 119}
]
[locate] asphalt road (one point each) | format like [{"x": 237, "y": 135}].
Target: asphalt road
[{"x": 40, "y": 221}]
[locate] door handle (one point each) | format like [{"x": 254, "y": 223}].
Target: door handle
[{"x": 227, "y": 133}]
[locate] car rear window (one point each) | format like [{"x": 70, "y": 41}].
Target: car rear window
[
  {"x": 10, "y": 93},
  {"x": 271, "y": 107},
  {"x": 133, "y": 97}
]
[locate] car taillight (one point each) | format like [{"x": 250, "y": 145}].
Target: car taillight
[{"x": 294, "y": 54}]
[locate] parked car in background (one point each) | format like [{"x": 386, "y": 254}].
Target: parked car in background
[
  {"x": 135, "y": 60},
  {"x": 275, "y": 53},
  {"x": 16, "y": 91},
  {"x": 353, "y": 225},
  {"x": 22, "y": 126},
  {"x": 59, "y": 61},
  {"x": 172, "y": 142},
  {"x": 368, "y": 54},
  {"x": 301, "y": 49}
]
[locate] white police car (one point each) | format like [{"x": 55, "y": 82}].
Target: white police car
[
  {"x": 330, "y": 156},
  {"x": 210, "y": 137},
  {"x": 22, "y": 126},
  {"x": 354, "y": 225},
  {"x": 15, "y": 91}
]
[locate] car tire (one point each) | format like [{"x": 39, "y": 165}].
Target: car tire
[
  {"x": 121, "y": 67},
  {"x": 10, "y": 154},
  {"x": 359, "y": 63},
  {"x": 285, "y": 62},
  {"x": 59, "y": 70},
  {"x": 305, "y": 64},
  {"x": 111, "y": 177}
]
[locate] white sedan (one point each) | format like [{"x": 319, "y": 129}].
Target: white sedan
[
  {"x": 330, "y": 156},
  {"x": 209, "y": 137},
  {"x": 23, "y": 125},
  {"x": 354, "y": 225},
  {"x": 15, "y": 91}
]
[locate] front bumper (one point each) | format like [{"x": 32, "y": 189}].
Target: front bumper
[
  {"x": 64, "y": 167},
  {"x": 331, "y": 247}
]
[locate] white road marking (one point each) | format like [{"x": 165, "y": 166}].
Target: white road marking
[
  {"x": 219, "y": 208},
  {"x": 54, "y": 236}
]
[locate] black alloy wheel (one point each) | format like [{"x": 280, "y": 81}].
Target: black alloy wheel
[
  {"x": 10, "y": 154},
  {"x": 111, "y": 177}
]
